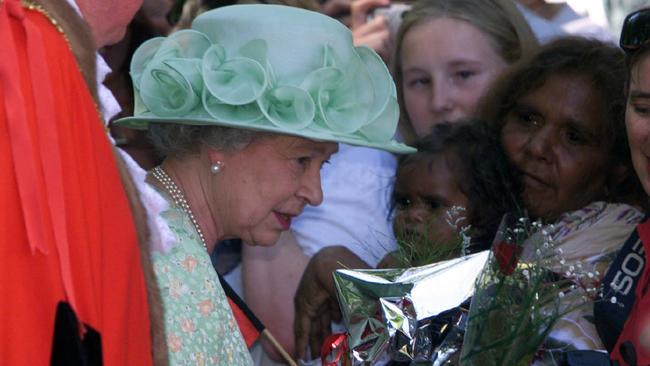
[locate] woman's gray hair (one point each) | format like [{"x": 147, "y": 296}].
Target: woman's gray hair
[{"x": 177, "y": 140}]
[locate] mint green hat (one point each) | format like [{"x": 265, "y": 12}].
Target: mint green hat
[{"x": 267, "y": 68}]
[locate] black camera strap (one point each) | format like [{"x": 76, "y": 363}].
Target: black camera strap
[{"x": 619, "y": 286}]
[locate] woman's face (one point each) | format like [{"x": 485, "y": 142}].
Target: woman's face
[
  {"x": 268, "y": 183},
  {"x": 109, "y": 19},
  {"x": 425, "y": 190},
  {"x": 553, "y": 136},
  {"x": 447, "y": 65},
  {"x": 637, "y": 120}
]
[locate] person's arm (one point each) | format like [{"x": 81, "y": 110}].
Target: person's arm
[
  {"x": 270, "y": 276},
  {"x": 315, "y": 302},
  {"x": 374, "y": 33}
]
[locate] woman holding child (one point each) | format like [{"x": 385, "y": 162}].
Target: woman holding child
[{"x": 559, "y": 119}]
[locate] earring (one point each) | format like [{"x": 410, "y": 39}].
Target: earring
[{"x": 215, "y": 168}]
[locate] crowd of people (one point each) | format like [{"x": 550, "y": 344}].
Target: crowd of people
[{"x": 320, "y": 136}]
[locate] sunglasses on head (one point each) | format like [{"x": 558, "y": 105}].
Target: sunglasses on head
[{"x": 636, "y": 30}]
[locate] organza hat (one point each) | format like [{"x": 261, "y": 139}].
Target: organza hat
[{"x": 267, "y": 68}]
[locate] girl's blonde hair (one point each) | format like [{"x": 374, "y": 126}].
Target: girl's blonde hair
[{"x": 499, "y": 20}]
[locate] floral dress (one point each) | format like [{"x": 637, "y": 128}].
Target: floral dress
[{"x": 199, "y": 325}]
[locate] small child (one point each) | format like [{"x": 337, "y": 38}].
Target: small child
[{"x": 458, "y": 185}]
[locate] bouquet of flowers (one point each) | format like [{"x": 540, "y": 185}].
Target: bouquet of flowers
[
  {"x": 415, "y": 312},
  {"x": 519, "y": 290},
  {"x": 397, "y": 312},
  {"x": 518, "y": 299}
]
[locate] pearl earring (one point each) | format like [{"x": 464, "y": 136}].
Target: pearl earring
[{"x": 215, "y": 168}]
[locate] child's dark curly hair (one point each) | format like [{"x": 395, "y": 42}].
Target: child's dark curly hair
[{"x": 475, "y": 157}]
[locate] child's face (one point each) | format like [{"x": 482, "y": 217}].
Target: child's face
[
  {"x": 637, "y": 119},
  {"x": 447, "y": 65},
  {"x": 425, "y": 190}
]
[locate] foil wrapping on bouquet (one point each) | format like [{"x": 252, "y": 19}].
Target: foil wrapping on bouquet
[{"x": 414, "y": 314}]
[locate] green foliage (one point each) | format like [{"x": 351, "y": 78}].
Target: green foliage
[
  {"x": 516, "y": 302},
  {"x": 418, "y": 249}
]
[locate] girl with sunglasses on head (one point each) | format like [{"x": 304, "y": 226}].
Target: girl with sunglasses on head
[{"x": 624, "y": 324}]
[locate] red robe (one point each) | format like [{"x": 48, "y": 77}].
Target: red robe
[{"x": 66, "y": 229}]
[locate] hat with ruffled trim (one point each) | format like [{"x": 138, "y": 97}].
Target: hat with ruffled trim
[{"x": 268, "y": 68}]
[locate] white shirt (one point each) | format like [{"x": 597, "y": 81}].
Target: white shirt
[
  {"x": 566, "y": 22},
  {"x": 161, "y": 238},
  {"x": 357, "y": 186}
]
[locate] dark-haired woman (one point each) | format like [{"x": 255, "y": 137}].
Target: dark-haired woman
[{"x": 560, "y": 119}]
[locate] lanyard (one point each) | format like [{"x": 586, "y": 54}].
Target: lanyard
[{"x": 619, "y": 286}]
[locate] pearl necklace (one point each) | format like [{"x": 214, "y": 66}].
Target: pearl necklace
[{"x": 178, "y": 197}]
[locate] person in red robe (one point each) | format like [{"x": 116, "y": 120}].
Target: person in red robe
[{"x": 72, "y": 287}]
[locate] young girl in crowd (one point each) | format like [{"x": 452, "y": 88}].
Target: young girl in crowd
[
  {"x": 448, "y": 53},
  {"x": 458, "y": 180}
]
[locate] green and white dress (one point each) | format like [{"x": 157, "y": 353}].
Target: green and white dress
[{"x": 199, "y": 325}]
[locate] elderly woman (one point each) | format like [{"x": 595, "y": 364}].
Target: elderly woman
[
  {"x": 560, "y": 118},
  {"x": 247, "y": 106}
]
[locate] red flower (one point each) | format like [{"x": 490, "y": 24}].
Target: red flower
[
  {"x": 507, "y": 255},
  {"x": 334, "y": 350}
]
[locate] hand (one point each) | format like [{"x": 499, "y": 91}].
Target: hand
[
  {"x": 154, "y": 14},
  {"x": 374, "y": 33},
  {"x": 390, "y": 260},
  {"x": 315, "y": 301},
  {"x": 336, "y": 8}
]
